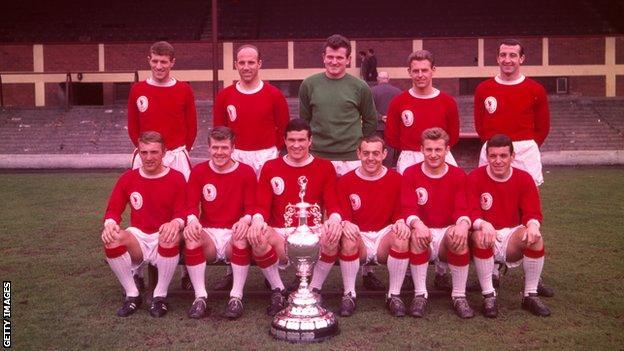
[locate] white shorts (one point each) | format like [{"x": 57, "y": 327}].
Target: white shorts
[
  {"x": 528, "y": 158},
  {"x": 221, "y": 238},
  {"x": 344, "y": 167},
  {"x": 371, "y": 241},
  {"x": 437, "y": 235},
  {"x": 177, "y": 159},
  {"x": 255, "y": 158},
  {"x": 148, "y": 244},
  {"x": 408, "y": 158},
  {"x": 500, "y": 246}
]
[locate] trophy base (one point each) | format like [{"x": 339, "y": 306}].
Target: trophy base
[{"x": 294, "y": 328}]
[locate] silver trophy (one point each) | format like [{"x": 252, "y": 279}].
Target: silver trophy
[{"x": 304, "y": 320}]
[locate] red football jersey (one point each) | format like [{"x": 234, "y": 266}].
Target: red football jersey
[
  {"x": 278, "y": 186},
  {"x": 154, "y": 200},
  {"x": 258, "y": 119},
  {"x": 224, "y": 197},
  {"x": 505, "y": 204},
  {"x": 409, "y": 116},
  {"x": 168, "y": 110},
  {"x": 518, "y": 110},
  {"x": 438, "y": 202},
  {"x": 370, "y": 202}
]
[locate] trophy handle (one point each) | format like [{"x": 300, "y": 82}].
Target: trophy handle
[
  {"x": 317, "y": 216},
  {"x": 288, "y": 215}
]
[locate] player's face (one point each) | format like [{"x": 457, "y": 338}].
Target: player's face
[
  {"x": 298, "y": 145},
  {"x": 371, "y": 155},
  {"x": 151, "y": 155},
  {"x": 421, "y": 73},
  {"x": 509, "y": 60},
  {"x": 248, "y": 65},
  {"x": 336, "y": 62},
  {"x": 221, "y": 153},
  {"x": 434, "y": 152},
  {"x": 499, "y": 160},
  {"x": 161, "y": 66}
]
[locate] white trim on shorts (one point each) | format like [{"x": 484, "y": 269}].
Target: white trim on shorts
[
  {"x": 528, "y": 158},
  {"x": 220, "y": 238},
  {"x": 177, "y": 159},
  {"x": 344, "y": 167},
  {"x": 500, "y": 246},
  {"x": 148, "y": 244},
  {"x": 371, "y": 241},
  {"x": 255, "y": 158},
  {"x": 408, "y": 158}
]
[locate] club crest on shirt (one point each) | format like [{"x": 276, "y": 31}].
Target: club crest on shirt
[
  {"x": 210, "y": 192},
  {"x": 408, "y": 117},
  {"x": 136, "y": 200},
  {"x": 277, "y": 183},
  {"x": 486, "y": 201},
  {"x": 231, "y": 110},
  {"x": 423, "y": 196},
  {"x": 142, "y": 103},
  {"x": 490, "y": 104},
  {"x": 356, "y": 202}
]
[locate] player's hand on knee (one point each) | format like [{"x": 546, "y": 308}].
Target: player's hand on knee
[
  {"x": 192, "y": 231},
  {"x": 256, "y": 230},
  {"x": 110, "y": 233},
  {"x": 239, "y": 229},
  {"x": 489, "y": 234},
  {"x": 332, "y": 229},
  {"x": 459, "y": 235},
  {"x": 401, "y": 230},
  {"x": 169, "y": 231},
  {"x": 350, "y": 230},
  {"x": 532, "y": 234},
  {"x": 421, "y": 233}
]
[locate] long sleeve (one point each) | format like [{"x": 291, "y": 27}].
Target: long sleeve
[
  {"x": 305, "y": 110},
  {"x": 542, "y": 117},
  {"x": 133, "y": 119},
  {"x": 391, "y": 134},
  {"x": 190, "y": 120},
  {"x": 281, "y": 117},
  {"x": 368, "y": 111}
]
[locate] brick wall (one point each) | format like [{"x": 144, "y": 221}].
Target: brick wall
[
  {"x": 453, "y": 52},
  {"x": 16, "y": 58},
  {"x": 18, "y": 94},
  {"x": 587, "y": 85},
  {"x": 619, "y": 50},
  {"x": 308, "y": 54},
  {"x": 447, "y": 85},
  {"x": 64, "y": 58},
  {"x": 576, "y": 51},
  {"x": 619, "y": 85},
  {"x": 274, "y": 54},
  {"x": 532, "y": 50}
]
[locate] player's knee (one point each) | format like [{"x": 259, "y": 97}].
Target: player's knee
[
  {"x": 400, "y": 245},
  {"x": 347, "y": 244},
  {"x": 191, "y": 244},
  {"x": 240, "y": 244}
]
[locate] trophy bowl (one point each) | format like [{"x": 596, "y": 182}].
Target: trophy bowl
[{"x": 303, "y": 320}]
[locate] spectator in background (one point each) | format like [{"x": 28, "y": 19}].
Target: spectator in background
[{"x": 383, "y": 93}]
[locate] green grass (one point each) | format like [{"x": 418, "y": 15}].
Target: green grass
[{"x": 65, "y": 296}]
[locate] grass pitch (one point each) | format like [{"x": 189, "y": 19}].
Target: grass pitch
[{"x": 64, "y": 295}]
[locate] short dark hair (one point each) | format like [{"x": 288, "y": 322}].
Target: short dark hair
[
  {"x": 296, "y": 125},
  {"x": 162, "y": 48},
  {"x": 246, "y": 46},
  {"x": 371, "y": 51},
  {"x": 499, "y": 140},
  {"x": 511, "y": 42},
  {"x": 151, "y": 136},
  {"x": 420, "y": 55},
  {"x": 362, "y": 53},
  {"x": 435, "y": 133},
  {"x": 336, "y": 42},
  {"x": 373, "y": 138},
  {"x": 221, "y": 133}
]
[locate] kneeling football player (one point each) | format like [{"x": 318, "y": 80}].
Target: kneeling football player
[
  {"x": 225, "y": 191},
  {"x": 157, "y": 196},
  {"x": 434, "y": 202},
  {"x": 507, "y": 214},
  {"x": 373, "y": 230}
]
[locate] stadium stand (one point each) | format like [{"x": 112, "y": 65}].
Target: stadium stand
[
  {"x": 118, "y": 20},
  {"x": 577, "y": 123}
]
